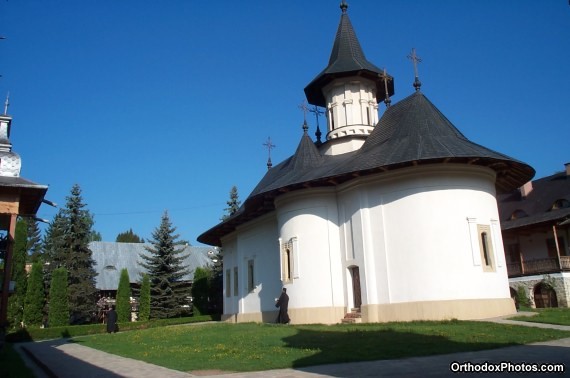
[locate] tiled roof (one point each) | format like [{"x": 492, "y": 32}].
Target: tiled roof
[
  {"x": 411, "y": 132},
  {"x": 537, "y": 205},
  {"x": 110, "y": 258}
]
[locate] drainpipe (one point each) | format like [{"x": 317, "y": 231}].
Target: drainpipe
[{"x": 557, "y": 246}]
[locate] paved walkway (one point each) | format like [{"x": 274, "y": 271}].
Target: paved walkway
[{"x": 63, "y": 359}]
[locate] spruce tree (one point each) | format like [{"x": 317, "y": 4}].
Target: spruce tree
[
  {"x": 34, "y": 302},
  {"x": 164, "y": 266},
  {"x": 233, "y": 203},
  {"x": 67, "y": 245},
  {"x": 58, "y": 299},
  {"x": 16, "y": 300},
  {"x": 34, "y": 245},
  {"x": 124, "y": 298},
  {"x": 144, "y": 299}
]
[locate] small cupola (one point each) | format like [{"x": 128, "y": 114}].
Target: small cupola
[
  {"x": 10, "y": 162},
  {"x": 349, "y": 88}
]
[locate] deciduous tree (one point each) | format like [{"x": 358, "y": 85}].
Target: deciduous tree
[{"x": 129, "y": 237}]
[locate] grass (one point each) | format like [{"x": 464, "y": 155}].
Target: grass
[
  {"x": 559, "y": 316},
  {"x": 11, "y": 365},
  {"x": 253, "y": 347}
]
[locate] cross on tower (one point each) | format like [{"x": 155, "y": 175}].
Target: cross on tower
[
  {"x": 415, "y": 60},
  {"x": 385, "y": 78},
  {"x": 317, "y": 113},
  {"x": 305, "y": 109},
  {"x": 269, "y": 146}
]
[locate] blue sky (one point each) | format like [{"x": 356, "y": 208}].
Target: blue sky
[{"x": 165, "y": 105}]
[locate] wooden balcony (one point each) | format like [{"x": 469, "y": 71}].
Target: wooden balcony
[{"x": 542, "y": 266}]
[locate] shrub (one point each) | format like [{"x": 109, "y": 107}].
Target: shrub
[
  {"x": 144, "y": 300},
  {"x": 124, "y": 298},
  {"x": 58, "y": 301}
]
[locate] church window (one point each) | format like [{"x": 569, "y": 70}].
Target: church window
[
  {"x": 235, "y": 281},
  {"x": 486, "y": 247},
  {"x": 288, "y": 261},
  {"x": 368, "y": 115},
  {"x": 228, "y": 283},
  {"x": 250, "y": 276},
  {"x": 331, "y": 116}
]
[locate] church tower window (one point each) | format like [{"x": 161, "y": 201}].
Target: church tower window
[
  {"x": 288, "y": 261},
  {"x": 250, "y": 276},
  {"x": 486, "y": 247}
]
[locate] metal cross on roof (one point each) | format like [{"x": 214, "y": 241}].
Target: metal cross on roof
[
  {"x": 305, "y": 109},
  {"x": 415, "y": 60},
  {"x": 384, "y": 76},
  {"x": 269, "y": 146},
  {"x": 315, "y": 110},
  {"x": 317, "y": 113}
]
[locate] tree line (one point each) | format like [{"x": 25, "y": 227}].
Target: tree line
[{"x": 60, "y": 288}]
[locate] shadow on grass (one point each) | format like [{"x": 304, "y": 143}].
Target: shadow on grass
[
  {"x": 398, "y": 353},
  {"x": 361, "y": 345}
]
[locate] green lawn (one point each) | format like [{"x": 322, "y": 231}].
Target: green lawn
[
  {"x": 251, "y": 346},
  {"x": 548, "y": 315}
]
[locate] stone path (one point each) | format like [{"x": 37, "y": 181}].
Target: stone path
[{"x": 63, "y": 359}]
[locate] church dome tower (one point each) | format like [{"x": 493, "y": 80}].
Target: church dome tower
[
  {"x": 10, "y": 162},
  {"x": 350, "y": 88}
]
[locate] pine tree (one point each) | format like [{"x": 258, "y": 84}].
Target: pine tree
[
  {"x": 129, "y": 237},
  {"x": 164, "y": 266},
  {"x": 124, "y": 298},
  {"x": 144, "y": 299},
  {"x": 34, "y": 246},
  {"x": 67, "y": 245},
  {"x": 34, "y": 301},
  {"x": 58, "y": 302},
  {"x": 233, "y": 203},
  {"x": 16, "y": 300}
]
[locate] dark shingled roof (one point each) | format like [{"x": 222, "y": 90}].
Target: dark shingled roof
[
  {"x": 347, "y": 59},
  {"x": 537, "y": 205},
  {"x": 411, "y": 132}
]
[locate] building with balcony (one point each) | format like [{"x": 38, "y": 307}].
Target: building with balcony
[{"x": 535, "y": 223}]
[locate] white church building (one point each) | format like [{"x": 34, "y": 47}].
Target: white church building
[{"x": 395, "y": 218}]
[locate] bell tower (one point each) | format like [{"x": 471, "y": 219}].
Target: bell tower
[{"x": 349, "y": 88}]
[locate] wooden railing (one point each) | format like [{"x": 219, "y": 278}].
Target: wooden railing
[{"x": 549, "y": 265}]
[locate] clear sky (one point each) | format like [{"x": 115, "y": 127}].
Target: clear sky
[{"x": 165, "y": 105}]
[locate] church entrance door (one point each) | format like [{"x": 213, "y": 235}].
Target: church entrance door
[{"x": 355, "y": 273}]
